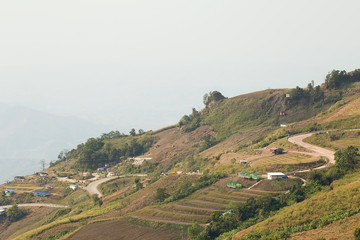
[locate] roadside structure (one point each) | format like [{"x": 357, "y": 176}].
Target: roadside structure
[
  {"x": 41, "y": 194},
  {"x": 9, "y": 192},
  {"x": 19, "y": 178},
  {"x": 43, "y": 174},
  {"x": 273, "y": 150},
  {"x": 73, "y": 186},
  {"x": 276, "y": 175}
]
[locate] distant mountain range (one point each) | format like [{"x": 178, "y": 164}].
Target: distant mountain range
[
  {"x": 28, "y": 135},
  {"x": 33, "y": 134}
]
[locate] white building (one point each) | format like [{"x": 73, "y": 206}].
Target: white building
[
  {"x": 73, "y": 186},
  {"x": 2, "y": 211},
  {"x": 275, "y": 175}
]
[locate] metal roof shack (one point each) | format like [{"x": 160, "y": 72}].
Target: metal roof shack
[
  {"x": 41, "y": 194},
  {"x": 2, "y": 211},
  {"x": 233, "y": 184},
  {"x": 43, "y": 174},
  {"x": 276, "y": 175},
  {"x": 273, "y": 150},
  {"x": 9, "y": 192},
  {"x": 73, "y": 186},
  {"x": 19, "y": 178}
]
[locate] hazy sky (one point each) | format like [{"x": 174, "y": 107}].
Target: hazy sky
[{"x": 144, "y": 64}]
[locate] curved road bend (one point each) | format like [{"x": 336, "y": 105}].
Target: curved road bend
[
  {"x": 92, "y": 188},
  {"x": 299, "y": 140}
]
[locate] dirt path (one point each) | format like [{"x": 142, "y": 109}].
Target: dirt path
[
  {"x": 299, "y": 140},
  {"x": 37, "y": 205}
]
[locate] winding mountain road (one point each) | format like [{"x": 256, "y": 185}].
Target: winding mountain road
[
  {"x": 92, "y": 188},
  {"x": 299, "y": 140}
]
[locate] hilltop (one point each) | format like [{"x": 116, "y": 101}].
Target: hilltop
[{"x": 169, "y": 178}]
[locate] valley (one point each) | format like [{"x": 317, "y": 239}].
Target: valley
[{"x": 274, "y": 164}]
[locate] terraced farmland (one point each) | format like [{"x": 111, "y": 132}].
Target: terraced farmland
[
  {"x": 285, "y": 159},
  {"x": 197, "y": 207}
]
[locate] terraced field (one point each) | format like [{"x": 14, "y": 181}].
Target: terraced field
[
  {"x": 197, "y": 207},
  {"x": 284, "y": 159}
]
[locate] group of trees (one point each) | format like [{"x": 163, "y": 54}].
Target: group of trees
[
  {"x": 117, "y": 134},
  {"x": 213, "y": 96},
  {"x": 333, "y": 81},
  {"x": 15, "y": 213},
  {"x": 191, "y": 122},
  {"x": 253, "y": 210},
  {"x": 336, "y": 78},
  {"x": 112, "y": 135},
  {"x": 309, "y": 95},
  {"x": 96, "y": 152},
  {"x": 133, "y": 132},
  {"x": 347, "y": 159}
]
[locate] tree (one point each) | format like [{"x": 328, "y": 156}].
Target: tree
[
  {"x": 213, "y": 96},
  {"x": 161, "y": 194},
  {"x": 279, "y": 151},
  {"x": 97, "y": 201},
  {"x": 63, "y": 155},
  {"x": 347, "y": 159},
  {"x": 15, "y": 213},
  {"x": 335, "y": 79},
  {"x": 138, "y": 184},
  {"x": 132, "y": 132},
  {"x": 194, "y": 231},
  {"x": 141, "y": 132}
]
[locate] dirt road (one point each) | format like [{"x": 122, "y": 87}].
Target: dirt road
[
  {"x": 92, "y": 188},
  {"x": 37, "y": 205},
  {"x": 299, "y": 140}
]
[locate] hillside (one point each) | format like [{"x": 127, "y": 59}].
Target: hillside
[{"x": 169, "y": 178}]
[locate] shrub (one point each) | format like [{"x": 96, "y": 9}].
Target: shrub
[
  {"x": 357, "y": 234},
  {"x": 347, "y": 159},
  {"x": 97, "y": 201},
  {"x": 194, "y": 231},
  {"x": 161, "y": 194},
  {"x": 15, "y": 213}
]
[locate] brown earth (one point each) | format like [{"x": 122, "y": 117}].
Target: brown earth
[
  {"x": 173, "y": 144},
  {"x": 233, "y": 142},
  {"x": 346, "y": 111},
  {"x": 120, "y": 229},
  {"x": 35, "y": 214}
]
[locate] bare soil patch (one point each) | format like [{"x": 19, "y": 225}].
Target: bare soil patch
[{"x": 120, "y": 229}]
